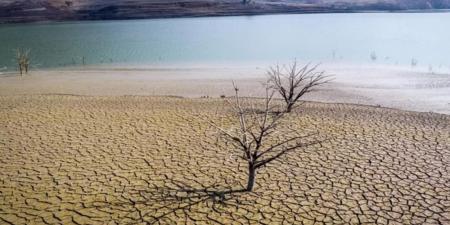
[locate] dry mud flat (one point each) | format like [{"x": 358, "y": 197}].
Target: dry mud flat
[{"x": 115, "y": 160}]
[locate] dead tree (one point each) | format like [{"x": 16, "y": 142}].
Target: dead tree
[
  {"x": 292, "y": 82},
  {"x": 23, "y": 61},
  {"x": 257, "y": 138},
  {"x": 373, "y": 56}
]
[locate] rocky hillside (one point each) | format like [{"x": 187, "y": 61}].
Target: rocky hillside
[{"x": 41, "y": 10}]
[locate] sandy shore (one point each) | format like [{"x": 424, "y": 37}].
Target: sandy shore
[
  {"x": 387, "y": 86},
  {"x": 112, "y": 159}
]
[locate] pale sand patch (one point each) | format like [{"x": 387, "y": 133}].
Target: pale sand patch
[{"x": 387, "y": 86}]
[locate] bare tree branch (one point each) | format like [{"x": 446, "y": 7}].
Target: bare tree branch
[
  {"x": 23, "y": 60},
  {"x": 258, "y": 135},
  {"x": 292, "y": 82}
]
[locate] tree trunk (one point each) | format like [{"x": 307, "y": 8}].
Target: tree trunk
[
  {"x": 289, "y": 107},
  {"x": 251, "y": 178}
]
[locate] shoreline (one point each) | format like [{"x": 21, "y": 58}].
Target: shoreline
[
  {"x": 3, "y": 21},
  {"x": 383, "y": 86},
  {"x": 79, "y": 16}
]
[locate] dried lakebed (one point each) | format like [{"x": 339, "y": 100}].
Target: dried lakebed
[{"x": 115, "y": 160}]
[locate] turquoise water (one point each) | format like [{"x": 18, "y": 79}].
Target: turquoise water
[{"x": 394, "y": 38}]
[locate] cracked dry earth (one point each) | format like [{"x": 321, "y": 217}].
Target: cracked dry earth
[{"x": 124, "y": 160}]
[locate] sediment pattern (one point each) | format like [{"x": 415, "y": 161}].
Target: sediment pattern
[{"x": 126, "y": 160}]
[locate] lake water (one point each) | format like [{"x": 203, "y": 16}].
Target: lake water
[{"x": 392, "y": 38}]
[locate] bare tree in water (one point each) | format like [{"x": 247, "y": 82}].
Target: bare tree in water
[
  {"x": 258, "y": 139},
  {"x": 23, "y": 60},
  {"x": 292, "y": 82}
]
